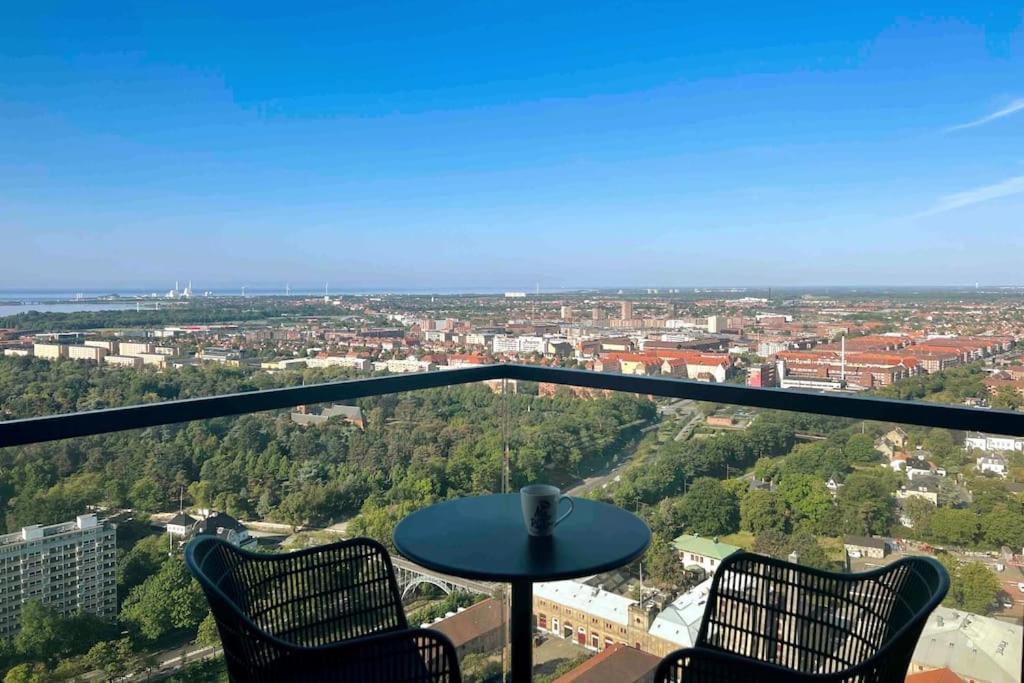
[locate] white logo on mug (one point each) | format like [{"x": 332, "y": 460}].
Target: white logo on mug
[{"x": 540, "y": 505}]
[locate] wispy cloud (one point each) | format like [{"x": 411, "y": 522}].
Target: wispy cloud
[
  {"x": 1010, "y": 109},
  {"x": 958, "y": 200}
]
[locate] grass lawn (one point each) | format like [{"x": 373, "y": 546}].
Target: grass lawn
[{"x": 743, "y": 539}]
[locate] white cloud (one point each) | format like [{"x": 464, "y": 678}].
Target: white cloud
[
  {"x": 957, "y": 200},
  {"x": 1012, "y": 108}
]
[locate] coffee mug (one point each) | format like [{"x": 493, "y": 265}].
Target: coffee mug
[{"x": 540, "y": 504}]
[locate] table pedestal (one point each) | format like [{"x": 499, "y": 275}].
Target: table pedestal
[{"x": 521, "y": 631}]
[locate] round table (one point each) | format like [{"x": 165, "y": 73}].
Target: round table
[{"x": 483, "y": 537}]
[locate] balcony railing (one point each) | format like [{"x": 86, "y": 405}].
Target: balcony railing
[
  {"x": 82, "y": 424},
  {"x": 54, "y": 427}
]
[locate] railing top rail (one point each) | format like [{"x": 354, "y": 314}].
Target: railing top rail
[{"x": 54, "y": 427}]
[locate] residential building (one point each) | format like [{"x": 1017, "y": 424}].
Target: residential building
[
  {"x": 134, "y": 348},
  {"x": 304, "y": 415},
  {"x": 108, "y": 346},
  {"x": 626, "y": 311},
  {"x": 706, "y": 553},
  {"x": 18, "y": 351},
  {"x": 226, "y": 527},
  {"x": 479, "y": 629},
  {"x": 716, "y": 323},
  {"x": 924, "y": 487},
  {"x": 617, "y": 662},
  {"x": 94, "y": 354},
  {"x": 50, "y": 351},
  {"x": 68, "y": 567},
  {"x": 124, "y": 361},
  {"x": 978, "y": 648},
  {"x": 865, "y": 546},
  {"x": 180, "y": 525},
  {"x": 231, "y": 357},
  {"x": 992, "y": 464},
  {"x": 762, "y": 375},
  {"x": 988, "y": 442},
  {"x": 408, "y": 365},
  {"x": 158, "y": 360}
]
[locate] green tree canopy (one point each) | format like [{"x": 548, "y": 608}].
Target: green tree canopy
[
  {"x": 709, "y": 509},
  {"x": 166, "y": 601},
  {"x": 762, "y": 510}
]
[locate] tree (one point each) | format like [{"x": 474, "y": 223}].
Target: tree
[
  {"x": 762, "y": 510},
  {"x": 919, "y": 511},
  {"x": 808, "y": 501},
  {"x": 1008, "y": 398},
  {"x": 208, "y": 633},
  {"x": 32, "y": 672},
  {"x": 950, "y": 526},
  {"x": 709, "y": 509},
  {"x": 1004, "y": 526},
  {"x": 972, "y": 586},
  {"x": 772, "y": 543},
  {"x": 147, "y": 495},
  {"x": 168, "y": 600},
  {"x": 39, "y": 636},
  {"x": 860, "y": 448},
  {"x": 662, "y": 562},
  {"x": 865, "y": 502},
  {"x": 479, "y": 668},
  {"x": 142, "y": 561},
  {"x": 112, "y": 657}
]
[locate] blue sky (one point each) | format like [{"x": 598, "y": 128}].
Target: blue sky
[{"x": 500, "y": 144}]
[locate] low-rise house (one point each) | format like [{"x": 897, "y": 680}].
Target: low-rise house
[
  {"x": 865, "y": 546},
  {"x": 226, "y": 527},
  {"x": 616, "y": 662},
  {"x": 992, "y": 464},
  {"x": 477, "y": 629},
  {"x": 989, "y": 443},
  {"x": 706, "y": 553},
  {"x": 925, "y": 487},
  {"x": 180, "y": 525}
]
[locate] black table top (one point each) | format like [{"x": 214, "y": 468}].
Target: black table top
[{"x": 484, "y": 538}]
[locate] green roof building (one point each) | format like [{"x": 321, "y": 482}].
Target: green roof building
[{"x": 706, "y": 553}]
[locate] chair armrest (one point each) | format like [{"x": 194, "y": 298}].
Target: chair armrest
[
  {"x": 697, "y": 665},
  {"x": 411, "y": 656}
]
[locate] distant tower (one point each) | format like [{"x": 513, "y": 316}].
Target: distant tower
[
  {"x": 327, "y": 298},
  {"x": 627, "y": 310}
]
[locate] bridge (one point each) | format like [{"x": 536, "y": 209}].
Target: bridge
[{"x": 410, "y": 575}]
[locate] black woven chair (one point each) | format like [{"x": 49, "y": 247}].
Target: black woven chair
[
  {"x": 330, "y": 613},
  {"x": 769, "y": 620}
]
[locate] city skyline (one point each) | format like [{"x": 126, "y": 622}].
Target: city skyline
[{"x": 477, "y": 147}]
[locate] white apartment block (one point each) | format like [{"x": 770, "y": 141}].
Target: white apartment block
[
  {"x": 409, "y": 365},
  {"x": 50, "y": 351},
  {"x": 18, "y": 352},
  {"x": 361, "y": 364},
  {"x": 134, "y": 348},
  {"x": 68, "y": 567},
  {"x": 90, "y": 353},
  {"x": 986, "y": 442},
  {"x": 525, "y": 344},
  {"x": 124, "y": 361},
  {"x": 166, "y": 350}
]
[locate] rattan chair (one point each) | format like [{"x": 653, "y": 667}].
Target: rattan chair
[
  {"x": 769, "y": 620},
  {"x": 330, "y": 613}
]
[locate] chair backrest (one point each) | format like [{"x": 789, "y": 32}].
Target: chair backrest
[
  {"x": 863, "y": 625},
  {"x": 267, "y": 606}
]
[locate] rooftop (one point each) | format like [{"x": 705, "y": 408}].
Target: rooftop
[
  {"x": 707, "y": 547},
  {"x": 616, "y": 662}
]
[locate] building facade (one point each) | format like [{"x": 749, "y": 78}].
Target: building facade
[{"x": 67, "y": 567}]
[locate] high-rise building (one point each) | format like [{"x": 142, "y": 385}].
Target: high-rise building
[
  {"x": 597, "y": 313},
  {"x": 716, "y": 323},
  {"x": 69, "y": 567},
  {"x": 627, "y": 310}
]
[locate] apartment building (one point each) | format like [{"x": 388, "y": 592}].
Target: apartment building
[
  {"x": 50, "y": 351},
  {"x": 94, "y": 354},
  {"x": 134, "y": 348},
  {"x": 124, "y": 361},
  {"x": 108, "y": 346},
  {"x": 68, "y": 567}
]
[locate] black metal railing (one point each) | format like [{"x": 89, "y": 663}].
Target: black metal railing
[{"x": 54, "y": 427}]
